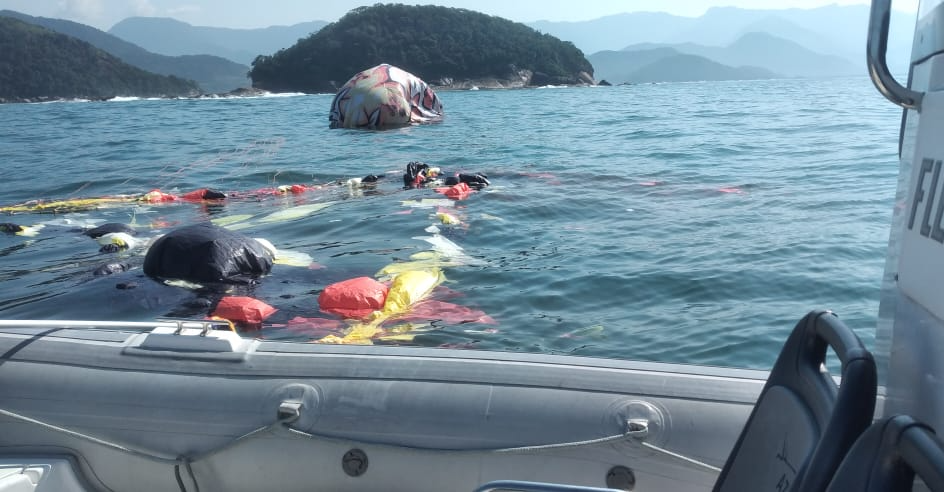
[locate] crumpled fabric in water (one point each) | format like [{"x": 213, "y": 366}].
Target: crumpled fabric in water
[{"x": 384, "y": 97}]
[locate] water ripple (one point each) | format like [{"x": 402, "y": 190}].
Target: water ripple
[{"x": 687, "y": 222}]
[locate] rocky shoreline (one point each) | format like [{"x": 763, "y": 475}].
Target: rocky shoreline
[
  {"x": 519, "y": 79},
  {"x": 516, "y": 79},
  {"x": 239, "y": 92}
]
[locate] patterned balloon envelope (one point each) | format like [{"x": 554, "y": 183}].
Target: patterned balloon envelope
[{"x": 384, "y": 97}]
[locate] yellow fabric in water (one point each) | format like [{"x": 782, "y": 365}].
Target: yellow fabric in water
[
  {"x": 293, "y": 213},
  {"x": 230, "y": 220},
  {"x": 425, "y": 262},
  {"x": 62, "y": 206},
  {"x": 407, "y": 289}
]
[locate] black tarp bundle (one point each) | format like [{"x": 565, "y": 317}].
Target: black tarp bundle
[{"x": 207, "y": 253}]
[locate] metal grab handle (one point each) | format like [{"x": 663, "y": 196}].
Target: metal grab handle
[{"x": 876, "y": 49}]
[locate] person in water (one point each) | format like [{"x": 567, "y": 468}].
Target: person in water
[
  {"x": 384, "y": 97},
  {"x": 421, "y": 174}
]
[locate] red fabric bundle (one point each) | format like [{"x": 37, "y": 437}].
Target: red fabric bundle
[
  {"x": 459, "y": 191},
  {"x": 157, "y": 196},
  {"x": 243, "y": 310},
  {"x": 354, "y": 298},
  {"x": 202, "y": 194}
]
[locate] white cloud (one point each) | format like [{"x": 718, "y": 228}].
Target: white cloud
[
  {"x": 144, "y": 8},
  {"x": 84, "y": 10},
  {"x": 184, "y": 10}
]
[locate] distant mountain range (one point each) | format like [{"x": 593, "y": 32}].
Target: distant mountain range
[
  {"x": 173, "y": 37},
  {"x": 835, "y": 31},
  {"x": 38, "y": 64},
  {"x": 668, "y": 65},
  {"x": 724, "y": 43},
  {"x": 822, "y": 42},
  {"x": 753, "y": 55},
  {"x": 211, "y": 73}
]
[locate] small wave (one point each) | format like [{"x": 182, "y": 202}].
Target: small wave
[
  {"x": 55, "y": 101},
  {"x": 283, "y": 94},
  {"x": 254, "y": 95}
]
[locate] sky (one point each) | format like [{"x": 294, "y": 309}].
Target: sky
[{"x": 253, "y": 13}]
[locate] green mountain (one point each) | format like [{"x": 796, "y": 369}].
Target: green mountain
[
  {"x": 39, "y": 64},
  {"x": 173, "y": 37},
  {"x": 212, "y": 73},
  {"x": 438, "y": 44},
  {"x": 668, "y": 65}
]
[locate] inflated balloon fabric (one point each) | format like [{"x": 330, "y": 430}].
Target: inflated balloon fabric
[{"x": 384, "y": 97}]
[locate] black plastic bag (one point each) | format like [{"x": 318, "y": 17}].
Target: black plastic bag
[{"x": 207, "y": 253}]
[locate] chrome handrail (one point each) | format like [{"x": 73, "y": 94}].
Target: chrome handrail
[{"x": 876, "y": 49}]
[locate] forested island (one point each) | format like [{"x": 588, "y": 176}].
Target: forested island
[
  {"x": 444, "y": 46},
  {"x": 37, "y": 64}
]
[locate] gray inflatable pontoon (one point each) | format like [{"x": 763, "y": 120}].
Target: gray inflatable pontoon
[{"x": 136, "y": 408}]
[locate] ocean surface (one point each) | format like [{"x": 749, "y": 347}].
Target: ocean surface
[{"x": 683, "y": 222}]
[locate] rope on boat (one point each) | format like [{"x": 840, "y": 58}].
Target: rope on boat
[
  {"x": 178, "y": 461},
  {"x": 682, "y": 457},
  {"x": 102, "y": 442},
  {"x": 633, "y": 433}
]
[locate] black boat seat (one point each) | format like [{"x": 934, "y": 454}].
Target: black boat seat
[
  {"x": 802, "y": 424},
  {"x": 888, "y": 455}
]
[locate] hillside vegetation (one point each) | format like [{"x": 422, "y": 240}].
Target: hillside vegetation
[
  {"x": 39, "y": 64},
  {"x": 211, "y": 73},
  {"x": 438, "y": 44}
]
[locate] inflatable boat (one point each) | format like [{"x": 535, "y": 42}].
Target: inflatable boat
[{"x": 185, "y": 406}]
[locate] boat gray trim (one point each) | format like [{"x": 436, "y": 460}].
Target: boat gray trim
[{"x": 265, "y": 359}]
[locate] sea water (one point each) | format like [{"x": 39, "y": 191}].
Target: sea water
[{"x": 682, "y": 222}]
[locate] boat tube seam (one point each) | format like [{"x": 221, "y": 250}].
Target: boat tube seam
[
  {"x": 655, "y": 388},
  {"x": 260, "y": 348}
]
